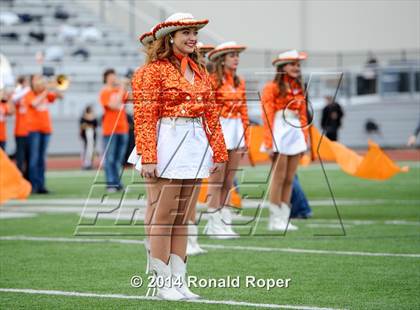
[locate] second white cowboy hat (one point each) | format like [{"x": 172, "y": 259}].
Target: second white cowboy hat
[
  {"x": 147, "y": 37},
  {"x": 204, "y": 48},
  {"x": 288, "y": 57},
  {"x": 225, "y": 48},
  {"x": 177, "y": 21}
]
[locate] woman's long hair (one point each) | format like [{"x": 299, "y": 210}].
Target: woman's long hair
[
  {"x": 162, "y": 49},
  {"x": 279, "y": 80},
  {"x": 220, "y": 72}
]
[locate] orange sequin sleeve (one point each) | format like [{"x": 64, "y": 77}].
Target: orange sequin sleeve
[
  {"x": 146, "y": 96},
  {"x": 136, "y": 82},
  {"x": 267, "y": 104},
  {"x": 214, "y": 129}
]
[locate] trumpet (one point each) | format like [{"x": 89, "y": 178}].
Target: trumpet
[
  {"x": 59, "y": 82},
  {"x": 62, "y": 82}
]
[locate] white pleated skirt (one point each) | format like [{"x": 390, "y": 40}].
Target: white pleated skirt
[
  {"x": 233, "y": 132},
  {"x": 183, "y": 150},
  {"x": 288, "y": 138}
]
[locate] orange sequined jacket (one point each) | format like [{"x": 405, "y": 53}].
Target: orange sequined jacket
[
  {"x": 136, "y": 84},
  {"x": 272, "y": 102},
  {"x": 232, "y": 101},
  {"x": 160, "y": 90}
]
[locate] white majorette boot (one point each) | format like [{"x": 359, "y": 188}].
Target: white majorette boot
[
  {"x": 193, "y": 248},
  {"x": 164, "y": 276},
  {"x": 147, "y": 246},
  {"x": 279, "y": 217},
  {"x": 179, "y": 269},
  {"x": 227, "y": 221},
  {"x": 285, "y": 210},
  {"x": 275, "y": 220},
  {"x": 215, "y": 228}
]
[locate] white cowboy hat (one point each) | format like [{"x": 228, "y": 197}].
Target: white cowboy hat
[
  {"x": 204, "y": 48},
  {"x": 288, "y": 57},
  {"x": 225, "y": 48},
  {"x": 147, "y": 37},
  {"x": 177, "y": 21}
]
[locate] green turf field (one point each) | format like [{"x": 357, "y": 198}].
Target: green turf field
[{"x": 373, "y": 263}]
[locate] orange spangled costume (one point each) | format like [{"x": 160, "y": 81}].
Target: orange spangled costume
[
  {"x": 160, "y": 90},
  {"x": 272, "y": 102},
  {"x": 136, "y": 84},
  {"x": 232, "y": 100}
]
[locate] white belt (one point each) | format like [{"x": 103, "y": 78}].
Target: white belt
[
  {"x": 175, "y": 121},
  {"x": 184, "y": 121},
  {"x": 288, "y": 114}
]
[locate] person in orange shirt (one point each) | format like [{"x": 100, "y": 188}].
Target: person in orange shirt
[
  {"x": 231, "y": 97},
  {"x": 6, "y": 109},
  {"x": 39, "y": 128},
  {"x": 114, "y": 128},
  {"x": 176, "y": 120},
  {"x": 286, "y": 137},
  {"x": 21, "y": 128}
]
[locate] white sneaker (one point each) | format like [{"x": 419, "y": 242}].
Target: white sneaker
[
  {"x": 227, "y": 221},
  {"x": 178, "y": 270},
  {"x": 163, "y": 271},
  {"x": 193, "y": 248},
  {"x": 215, "y": 228}
]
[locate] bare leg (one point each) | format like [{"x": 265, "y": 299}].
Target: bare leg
[
  {"x": 152, "y": 196},
  {"x": 292, "y": 164},
  {"x": 214, "y": 186},
  {"x": 229, "y": 175},
  {"x": 187, "y": 202},
  {"x": 166, "y": 208},
  {"x": 278, "y": 174}
]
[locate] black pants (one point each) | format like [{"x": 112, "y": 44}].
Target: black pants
[{"x": 22, "y": 155}]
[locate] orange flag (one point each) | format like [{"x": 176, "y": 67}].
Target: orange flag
[
  {"x": 375, "y": 165},
  {"x": 12, "y": 183}
]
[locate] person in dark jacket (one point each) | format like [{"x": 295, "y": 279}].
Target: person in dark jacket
[
  {"x": 331, "y": 118},
  {"x": 88, "y": 124}
]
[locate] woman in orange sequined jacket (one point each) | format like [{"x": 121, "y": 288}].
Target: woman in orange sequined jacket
[
  {"x": 176, "y": 119},
  {"x": 284, "y": 114},
  {"x": 231, "y": 97}
]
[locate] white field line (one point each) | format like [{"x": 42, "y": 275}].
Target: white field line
[
  {"x": 213, "y": 246},
  {"x": 246, "y": 202},
  {"x": 126, "y": 212},
  {"x": 135, "y": 297}
]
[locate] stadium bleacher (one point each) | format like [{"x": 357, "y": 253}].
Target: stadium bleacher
[{"x": 397, "y": 114}]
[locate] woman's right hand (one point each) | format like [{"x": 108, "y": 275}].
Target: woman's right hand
[{"x": 148, "y": 170}]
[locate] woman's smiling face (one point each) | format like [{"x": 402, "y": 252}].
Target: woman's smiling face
[{"x": 185, "y": 40}]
